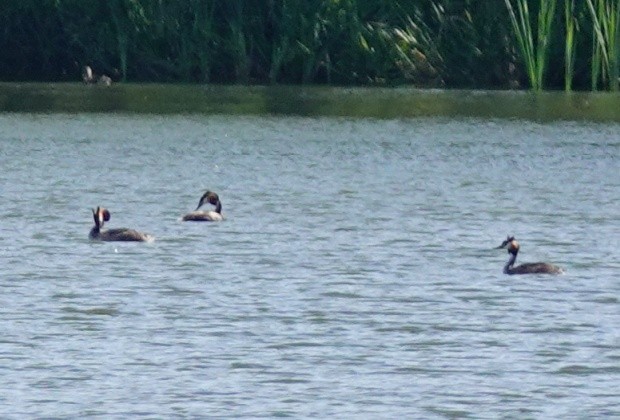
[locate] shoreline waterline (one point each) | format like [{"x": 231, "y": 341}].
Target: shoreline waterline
[{"x": 355, "y": 102}]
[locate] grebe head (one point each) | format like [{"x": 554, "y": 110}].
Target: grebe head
[
  {"x": 87, "y": 74},
  {"x": 208, "y": 197},
  {"x": 101, "y": 215},
  {"x": 510, "y": 244}
]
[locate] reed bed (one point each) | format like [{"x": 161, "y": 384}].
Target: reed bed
[
  {"x": 606, "y": 42},
  {"x": 428, "y": 43},
  {"x": 533, "y": 42}
]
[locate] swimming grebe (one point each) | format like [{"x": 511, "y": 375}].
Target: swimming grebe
[
  {"x": 101, "y": 216},
  {"x": 206, "y": 216},
  {"x": 531, "y": 268}
]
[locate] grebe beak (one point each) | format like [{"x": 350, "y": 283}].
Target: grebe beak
[{"x": 506, "y": 242}]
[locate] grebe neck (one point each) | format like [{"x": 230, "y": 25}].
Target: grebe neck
[
  {"x": 94, "y": 232},
  {"x": 510, "y": 263},
  {"x": 218, "y": 207}
]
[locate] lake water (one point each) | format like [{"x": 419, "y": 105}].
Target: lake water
[{"x": 354, "y": 277}]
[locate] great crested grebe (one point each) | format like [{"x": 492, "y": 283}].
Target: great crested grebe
[
  {"x": 89, "y": 77},
  {"x": 206, "y": 216},
  {"x": 101, "y": 216},
  {"x": 530, "y": 268}
]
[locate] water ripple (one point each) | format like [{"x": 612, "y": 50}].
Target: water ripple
[{"x": 355, "y": 275}]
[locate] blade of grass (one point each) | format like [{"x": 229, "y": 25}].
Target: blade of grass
[{"x": 569, "y": 50}]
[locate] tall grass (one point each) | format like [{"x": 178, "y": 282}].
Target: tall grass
[
  {"x": 237, "y": 42},
  {"x": 534, "y": 55},
  {"x": 570, "y": 22},
  {"x": 453, "y": 43},
  {"x": 606, "y": 42}
]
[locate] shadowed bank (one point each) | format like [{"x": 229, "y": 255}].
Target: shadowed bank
[{"x": 308, "y": 101}]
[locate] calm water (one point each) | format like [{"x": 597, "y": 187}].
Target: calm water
[{"x": 355, "y": 274}]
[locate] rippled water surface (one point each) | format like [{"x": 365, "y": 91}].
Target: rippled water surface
[{"x": 355, "y": 274}]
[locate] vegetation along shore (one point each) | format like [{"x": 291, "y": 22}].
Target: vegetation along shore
[{"x": 542, "y": 44}]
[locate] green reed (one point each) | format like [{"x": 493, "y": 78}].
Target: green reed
[
  {"x": 569, "y": 47},
  {"x": 534, "y": 55},
  {"x": 606, "y": 42}
]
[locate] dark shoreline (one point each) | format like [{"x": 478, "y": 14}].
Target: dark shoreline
[{"x": 358, "y": 102}]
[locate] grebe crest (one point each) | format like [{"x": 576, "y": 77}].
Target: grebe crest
[
  {"x": 206, "y": 216},
  {"x": 512, "y": 246},
  {"x": 97, "y": 233}
]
